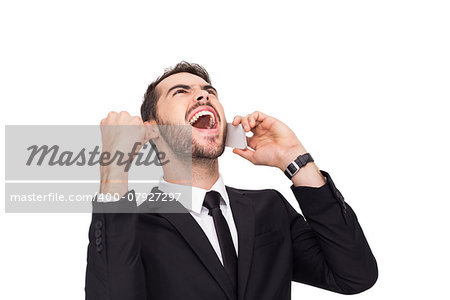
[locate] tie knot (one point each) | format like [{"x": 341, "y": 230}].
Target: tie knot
[{"x": 212, "y": 200}]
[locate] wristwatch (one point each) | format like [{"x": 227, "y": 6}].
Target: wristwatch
[{"x": 299, "y": 162}]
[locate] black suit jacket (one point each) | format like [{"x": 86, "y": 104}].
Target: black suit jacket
[{"x": 167, "y": 256}]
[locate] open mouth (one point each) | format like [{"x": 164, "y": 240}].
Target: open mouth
[{"x": 203, "y": 118}]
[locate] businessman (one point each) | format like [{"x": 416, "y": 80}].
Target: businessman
[{"x": 227, "y": 243}]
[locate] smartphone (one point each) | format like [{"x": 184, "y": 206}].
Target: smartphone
[{"x": 236, "y": 137}]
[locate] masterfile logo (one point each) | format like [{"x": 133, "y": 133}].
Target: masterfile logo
[{"x": 56, "y": 168}]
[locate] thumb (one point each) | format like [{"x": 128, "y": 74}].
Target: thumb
[{"x": 247, "y": 153}]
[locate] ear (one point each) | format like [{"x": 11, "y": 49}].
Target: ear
[{"x": 151, "y": 130}]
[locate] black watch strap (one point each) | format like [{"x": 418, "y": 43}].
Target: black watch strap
[{"x": 299, "y": 162}]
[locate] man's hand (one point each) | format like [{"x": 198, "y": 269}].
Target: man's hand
[
  {"x": 274, "y": 144},
  {"x": 120, "y": 133},
  {"x": 116, "y": 137}
]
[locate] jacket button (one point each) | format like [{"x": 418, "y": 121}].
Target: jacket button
[
  {"x": 98, "y": 233},
  {"x": 98, "y": 241},
  {"x": 98, "y": 224},
  {"x": 99, "y": 248}
]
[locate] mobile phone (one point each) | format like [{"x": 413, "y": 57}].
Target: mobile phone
[{"x": 236, "y": 137}]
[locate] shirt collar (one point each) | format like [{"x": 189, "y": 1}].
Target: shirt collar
[{"x": 195, "y": 203}]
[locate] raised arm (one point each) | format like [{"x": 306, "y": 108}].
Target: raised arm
[
  {"x": 330, "y": 250},
  {"x": 114, "y": 267}
]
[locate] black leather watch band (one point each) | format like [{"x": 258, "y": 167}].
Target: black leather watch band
[{"x": 299, "y": 162}]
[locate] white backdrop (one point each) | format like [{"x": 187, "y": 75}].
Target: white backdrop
[{"x": 362, "y": 83}]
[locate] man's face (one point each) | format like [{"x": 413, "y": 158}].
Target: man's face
[{"x": 186, "y": 99}]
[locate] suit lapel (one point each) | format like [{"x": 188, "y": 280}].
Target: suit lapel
[
  {"x": 198, "y": 241},
  {"x": 243, "y": 214}
]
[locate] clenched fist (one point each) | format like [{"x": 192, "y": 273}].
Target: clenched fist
[
  {"x": 121, "y": 131},
  {"x": 122, "y": 134}
]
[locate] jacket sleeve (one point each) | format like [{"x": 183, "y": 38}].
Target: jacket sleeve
[
  {"x": 329, "y": 247},
  {"x": 114, "y": 267}
]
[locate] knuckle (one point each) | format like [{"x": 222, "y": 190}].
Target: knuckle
[{"x": 135, "y": 120}]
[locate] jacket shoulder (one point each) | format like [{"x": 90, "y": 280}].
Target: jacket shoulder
[
  {"x": 255, "y": 194},
  {"x": 247, "y": 191}
]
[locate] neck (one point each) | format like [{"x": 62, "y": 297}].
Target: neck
[{"x": 205, "y": 173}]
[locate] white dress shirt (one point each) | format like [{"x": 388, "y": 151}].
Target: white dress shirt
[{"x": 200, "y": 213}]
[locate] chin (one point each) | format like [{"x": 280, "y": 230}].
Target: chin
[{"x": 208, "y": 147}]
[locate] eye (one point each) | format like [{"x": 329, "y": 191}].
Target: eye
[
  {"x": 180, "y": 91},
  {"x": 211, "y": 91}
]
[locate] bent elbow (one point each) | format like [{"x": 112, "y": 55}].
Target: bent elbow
[{"x": 369, "y": 281}]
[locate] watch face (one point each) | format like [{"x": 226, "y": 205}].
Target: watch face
[{"x": 292, "y": 168}]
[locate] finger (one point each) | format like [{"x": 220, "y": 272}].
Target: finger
[
  {"x": 236, "y": 120},
  {"x": 245, "y": 124},
  {"x": 124, "y": 116},
  {"x": 251, "y": 121},
  {"x": 112, "y": 115},
  {"x": 247, "y": 154},
  {"x": 136, "y": 120},
  {"x": 258, "y": 116}
]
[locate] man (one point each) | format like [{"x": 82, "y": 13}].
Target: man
[{"x": 230, "y": 243}]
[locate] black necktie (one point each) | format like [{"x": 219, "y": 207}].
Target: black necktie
[{"x": 212, "y": 202}]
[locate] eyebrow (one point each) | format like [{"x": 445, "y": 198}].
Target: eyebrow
[
  {"x": 209, "y": 87},
  {"x": 187, "y": 87}
]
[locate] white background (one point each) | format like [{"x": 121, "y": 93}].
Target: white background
[{"x": 364, "y": 85}]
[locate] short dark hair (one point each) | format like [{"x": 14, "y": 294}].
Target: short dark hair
[{"x": 148, "y": 107}]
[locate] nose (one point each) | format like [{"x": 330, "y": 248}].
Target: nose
[{"x": 202, "y": 95}]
